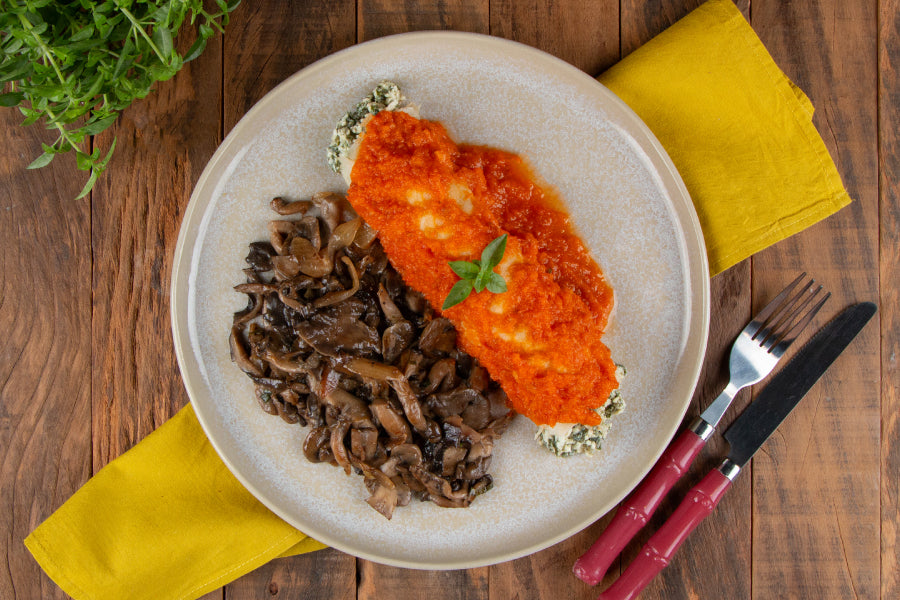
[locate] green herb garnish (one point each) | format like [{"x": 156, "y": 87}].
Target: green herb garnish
[
  {"x": 77, "y": 64},
  {"x": 478, "y": 274}
]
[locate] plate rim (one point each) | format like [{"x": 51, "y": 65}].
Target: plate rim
[{"x": 227, "y": 155}]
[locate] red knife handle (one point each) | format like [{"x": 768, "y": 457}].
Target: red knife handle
[
  {"x": 634, "y": 513},
  {"x": 658, "y": 551}
]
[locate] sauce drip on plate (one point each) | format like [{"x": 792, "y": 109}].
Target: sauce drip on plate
[{"x": 433, "y": 202}]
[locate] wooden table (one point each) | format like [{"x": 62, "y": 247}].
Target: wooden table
[{"x": 88, "y": 368}]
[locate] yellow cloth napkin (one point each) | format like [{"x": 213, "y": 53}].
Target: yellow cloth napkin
[
  {"x": 167, "y": 519},
  {"x": 739, "y": 132}
]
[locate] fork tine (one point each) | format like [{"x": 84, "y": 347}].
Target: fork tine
[
  {"x": 792, "y": 334},
  {"x": 771, "y": 307},
  {"x": 777, "y": 331},
  {"x": 785, "y": 308}
]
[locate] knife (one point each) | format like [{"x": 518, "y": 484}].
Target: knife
[{"x": 745, "y": 436}]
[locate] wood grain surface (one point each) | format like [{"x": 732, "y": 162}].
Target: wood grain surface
[{"x": 89, "y": 370}]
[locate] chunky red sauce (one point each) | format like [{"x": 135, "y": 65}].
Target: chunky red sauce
[{"x": 433, "y": 202}]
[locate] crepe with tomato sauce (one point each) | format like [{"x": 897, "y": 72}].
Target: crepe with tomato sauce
[{"x": 434, "y": 202}]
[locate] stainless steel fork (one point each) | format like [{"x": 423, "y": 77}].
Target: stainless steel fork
[{"x": 754, "y": 354}]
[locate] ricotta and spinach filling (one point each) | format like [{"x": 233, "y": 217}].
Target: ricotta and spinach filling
[
  {"x": 385, "y": 96},
  {"x": 569, "y": 439}
]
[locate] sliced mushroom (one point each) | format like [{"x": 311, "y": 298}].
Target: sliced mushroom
[
  {"x": 284, "y": 207},
  {"x": 392, "y": 422},
  {"x": 438, "y": 338},
  {"x": 332, "y": 298},
  {"x": 316, "y": 445},
  {"x": 239, "y": 354},
  {"x": 397, "y": 338}
]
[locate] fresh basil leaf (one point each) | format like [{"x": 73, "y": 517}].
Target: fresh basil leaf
[
  {"x": 41, "y": 161},
  {"x": 465, "y": 269},
  {"x": 481, "y": 280},
  {"x": 233, "y": 4},
  {"x": 459, "y": 292},
  {"x": 496, "y": 284},
  {"x": 493, "y": 252}
]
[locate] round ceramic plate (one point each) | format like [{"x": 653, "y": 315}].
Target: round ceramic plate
[{"x": 626, "y": 200}]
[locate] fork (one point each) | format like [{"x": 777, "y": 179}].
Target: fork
[{"x": 755, "y": 353}]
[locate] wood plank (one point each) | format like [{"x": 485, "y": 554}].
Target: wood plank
[
  {"x": 585, "y": 36},
  {"x": 322, "y": 574},
  {"x": 816, "y": 514},
  {"x": 889, "y": 152},
  {"x": 45, "y": 314},
  {"x": 164, "y": 142},
  {"x": 266, "y": 43},
  {"x": 380, "y": 581},
  {"x": 377, "y": 18},
  {"x": 644, "y": 19}
]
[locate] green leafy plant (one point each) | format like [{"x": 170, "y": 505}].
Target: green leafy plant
[
  {"x": 478, "y": 275},
  {"x": 76, "y": 64}
]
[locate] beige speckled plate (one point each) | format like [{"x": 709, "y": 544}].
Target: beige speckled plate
[{"x": 625, "y": 197}]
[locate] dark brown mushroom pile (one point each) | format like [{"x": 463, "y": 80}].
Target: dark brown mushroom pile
[{"x": 336, "y": 342}]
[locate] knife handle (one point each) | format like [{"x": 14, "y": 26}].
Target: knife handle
[
  {"x": 634, "y": 513},
  {"x": 658, "y": 551}
]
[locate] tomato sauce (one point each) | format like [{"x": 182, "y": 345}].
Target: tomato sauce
[{"x": 434, "y": 201}]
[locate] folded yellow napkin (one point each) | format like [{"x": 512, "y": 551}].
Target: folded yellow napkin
[
  {"x": 168, "y": 520},
  {"x": 739, "y": 132}
]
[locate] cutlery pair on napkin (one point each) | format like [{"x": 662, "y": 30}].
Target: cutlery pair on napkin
[{"x": 755, "y": 353}]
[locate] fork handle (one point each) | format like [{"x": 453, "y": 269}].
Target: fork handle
[
  {"x": 634, "y": 513},
  {"x": 659, "y": 550}
]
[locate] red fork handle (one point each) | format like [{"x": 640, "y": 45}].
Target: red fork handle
[
  {"x": 634, "y": 513},
  {"x": 658, "y": 551}
]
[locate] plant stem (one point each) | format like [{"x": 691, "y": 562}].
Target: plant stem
[
  {"x": 137, "y": 25},
  {"x": 48, "y": 55}
]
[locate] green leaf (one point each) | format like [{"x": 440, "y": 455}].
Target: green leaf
[
  {"x": 41, "y": 161},
  {"x": 465, "y": 269},
  {"x": 195, "y": 50},
  {"x": 481, "y": 281},
  {"x": 11, "y": 99},
  {"x": 162, "y": 37},
  {"x": 496, "y": 284},
  {"x": 88, "y": 186},
  {"x": 83, "y": 161},
  {"x": 99, "y": 125},
  {"x": 493, "y": 253},
  {"x": 206, "y": 31},
  {"x": 459, "y": 292},
  {"x": 102, "y": 164},
  {"x": 233, "y": 5},
  {"x": 85, "y": 33}
]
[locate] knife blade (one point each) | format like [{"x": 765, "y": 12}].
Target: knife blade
[
  {"x": 745, "y": 436},
  {"x": 788, "y": 386}
]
